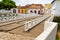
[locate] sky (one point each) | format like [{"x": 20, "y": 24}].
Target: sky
[
  {"x": 24, "y": 2},
  {"x": 0, "y": 0}
]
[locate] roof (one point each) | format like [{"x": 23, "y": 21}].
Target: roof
[
  {"x": 18, "y": 6},
  {"x": 34, "y": 6},
  {"x": 22, "y": 7},
  {"x": 31, "y": 6}
]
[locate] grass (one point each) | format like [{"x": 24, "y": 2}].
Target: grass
[{"x": 57, "y": 19}]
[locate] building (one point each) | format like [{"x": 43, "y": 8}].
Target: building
[
  {"x": 30, "y": 8},
  {"x": 47, "y": 8},
  {"x": 23, "y": 10},
  {"x": 14, "y": 10},
  {"x": 56, "y": 7},
  {"x": 35, "y": 8}
]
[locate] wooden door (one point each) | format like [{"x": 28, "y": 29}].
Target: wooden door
[
  {"x": 18, "y": 11},
  {"x": 38, "y": 12}
]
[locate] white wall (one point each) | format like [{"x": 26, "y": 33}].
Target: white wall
[
  {"x": 51, "y": 18},
  {"x": 50, "y": 30},
  {"x": 33, "y": 10},
  {"x": 49, "y": 33},
  {"x": 15, "y": 9},
  {"x": 57, "y": 8},
  {"x": 4, "y": 11}
]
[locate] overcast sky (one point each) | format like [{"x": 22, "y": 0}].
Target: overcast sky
[{"x": 24, "y": 2}]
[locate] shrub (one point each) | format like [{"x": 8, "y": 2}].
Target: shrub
[
  {"x": 13, "y": 14},
  {"x": 0, "y": 14},
  {"x": 16, "y": 14},
  {"x": 57, "y": 19}
]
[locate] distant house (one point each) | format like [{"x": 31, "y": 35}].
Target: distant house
[
  {"x": 14, "y": 10},
  {"x": 20, "y": 10},
  {"x": 23, "y": 10},
  {"x": 47, "y": 8},
  {"x": 35, "y": 8},
  {"x": 30, "y": 8}
]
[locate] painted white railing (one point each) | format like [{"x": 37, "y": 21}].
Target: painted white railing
[
  {"x": 50, "y": 28},
  {"x": 32, "y": 23},
  {"x": 49, "y": 33},
  {"x": 51, "y": 18},
  {"x": 20, "y": 16},
  {"x": 47, "y": 25}
]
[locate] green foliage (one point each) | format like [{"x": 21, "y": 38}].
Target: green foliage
[
  {"x": 7, "y": 4},
  {"x": 57, "y": 19},
  {"x": 16, "y": 14},
  {"x": 58, "y": 26},
  {"x": 0, "y": 14},
  {"x": 57, "y": 38}
]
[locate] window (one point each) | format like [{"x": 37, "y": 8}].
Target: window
[
  {"x": 31, "y": 11},
  {"x": 22, "y": 11},
  {"x": 35, "y": 11},
  {"x": 25, "y": 11},
  {"x": 39, "y": 12},
  {"x": 18, "y": 11}
]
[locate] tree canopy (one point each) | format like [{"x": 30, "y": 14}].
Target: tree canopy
[{"x": 7, "y": 4}]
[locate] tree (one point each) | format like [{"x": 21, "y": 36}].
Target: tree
[{"x": 7, "y": 4}]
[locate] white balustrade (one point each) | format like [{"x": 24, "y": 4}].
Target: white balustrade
[
  {"x": 49, "y": 33},
  {"x": 51, "y": 18},
  {"x": 26, "y": 28},
  {"x": 30, "y": 24},
  {"x": 33, "y": 22},
  {"x": 9, "y": 18}
]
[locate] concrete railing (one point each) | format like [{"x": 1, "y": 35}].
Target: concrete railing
[
  {"x": 51, "y": 18},
  {"x": 50, "y": 28},
  {"x": 49, "y": 33},
  {"x": 48, "y": 24},
  {"x": 20, "y": 16},
  {"x": 32, "y": 23}
]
